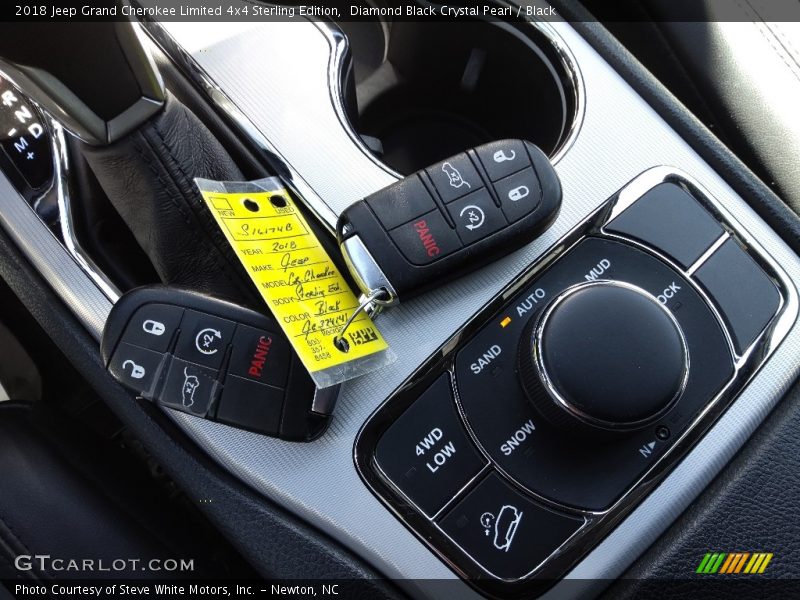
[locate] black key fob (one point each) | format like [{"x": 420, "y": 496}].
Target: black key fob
[
  {"x": 215, "y": 360},
  {"x": 448, "y": 219}
]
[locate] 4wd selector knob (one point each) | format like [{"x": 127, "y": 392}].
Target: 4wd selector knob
[{"x": 604, "y": 356}]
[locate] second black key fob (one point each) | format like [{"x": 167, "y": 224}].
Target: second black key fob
[
  {"x": 448, "y": 219},
  {"x": 214, "y": 360}
]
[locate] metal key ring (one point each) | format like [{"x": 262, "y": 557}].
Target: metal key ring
[{"x": 380, "y": 297}]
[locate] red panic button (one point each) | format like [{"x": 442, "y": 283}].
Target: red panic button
[
  {"x": 259, "y": 356},
  {"x": 426, "y": 238}
]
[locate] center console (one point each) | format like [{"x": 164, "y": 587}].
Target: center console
[
  {"x": 478, "y": 453},
  {"x": 555, "y": 409},
  {"x": 551, "y": 414}
]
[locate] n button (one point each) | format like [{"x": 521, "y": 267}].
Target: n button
[{"x": 426, "y": 452}]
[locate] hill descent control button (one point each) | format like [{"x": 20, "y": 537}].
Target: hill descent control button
[
  {"x": 426, "y": 452},
  {"x": 504, "y": 531}
]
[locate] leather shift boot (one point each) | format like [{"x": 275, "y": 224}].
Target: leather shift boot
[{"x": 149, "y": 178}]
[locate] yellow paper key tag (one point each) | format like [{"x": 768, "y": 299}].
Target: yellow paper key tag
[{"x": 297, "y": 279}]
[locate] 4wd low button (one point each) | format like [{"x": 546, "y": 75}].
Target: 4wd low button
[
  {"x": 505, "y": 532},
  {"x": 426, "y": 452}
]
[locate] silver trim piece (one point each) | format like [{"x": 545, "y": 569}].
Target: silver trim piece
[
  {"x": 38, "y": 245},
  {"x": 565, "y": 404},
  {"x": 60, "y": 185},
  {"x": 48, "y": 255},
  {"x": 66, "y": 222}
]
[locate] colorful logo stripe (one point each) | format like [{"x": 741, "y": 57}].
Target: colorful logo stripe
[{"x": 728, "y": 563}]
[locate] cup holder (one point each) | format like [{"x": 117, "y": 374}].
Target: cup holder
[{"x": 426, "y": 90}]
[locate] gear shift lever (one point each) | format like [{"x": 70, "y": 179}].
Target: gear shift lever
[
  {"x": 97, "y": 79},
  {"x": 143, "y": 145}
]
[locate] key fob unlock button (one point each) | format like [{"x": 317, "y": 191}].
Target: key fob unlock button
[
  {"x": 503, "y": 158},
  {"x": 137, "y": 368}
]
